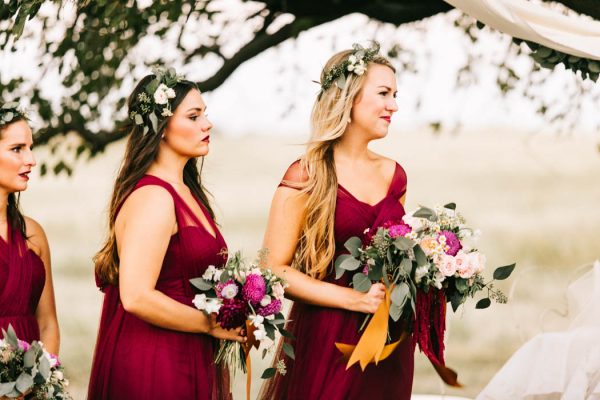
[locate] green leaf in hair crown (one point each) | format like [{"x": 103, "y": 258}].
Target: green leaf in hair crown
[{"x": 356, "y": 63}]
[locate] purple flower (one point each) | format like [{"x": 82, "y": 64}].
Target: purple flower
[
  {"x": 232, "y": 314},
  {"x": 399, "y": 230},
  {"x": 23, "y": 345},
  {"x": 272, "y": 308},
  {"x": 452, "y": 242},
  {"x": 254, "y": 289},
  {"x": 365, "y": 269}
]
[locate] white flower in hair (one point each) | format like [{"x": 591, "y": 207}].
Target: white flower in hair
[
  {"x": 160, "y": 96},
  {"x": 166, "y": 112},
  {"x": 170, "y": 93}
]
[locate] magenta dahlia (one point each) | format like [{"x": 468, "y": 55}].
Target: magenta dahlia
[
  {"x": 452, "y": 242},
  {"x": 270, "y": 309},
  {"x": 399, "y": 230},
  {"x": 254, "y": 289},
  {"x": 233, "y": 313}
]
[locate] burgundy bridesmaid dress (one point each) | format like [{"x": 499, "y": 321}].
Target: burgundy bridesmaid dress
[
  {"x": 318, "y": 371},
  {"x": 137, "y": 360},
  {"x": 22, "y": 279}
]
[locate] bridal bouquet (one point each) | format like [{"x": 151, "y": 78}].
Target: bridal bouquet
[
  {"x": 425, "y": 260},
  {"x": 244, "y": 295},
  {"x": 28, "y": 369}
]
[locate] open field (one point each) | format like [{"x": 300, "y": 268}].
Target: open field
[{"x": 534, "y": 197}]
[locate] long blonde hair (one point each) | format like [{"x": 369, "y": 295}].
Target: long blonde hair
[{"x": 329, "y": 120}]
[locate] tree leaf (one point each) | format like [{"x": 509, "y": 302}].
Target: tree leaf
[
  {"x": 200, "y": 284},
  {"x": 289, "y": 350},
  {"x": 502, "y": 273},
  {"x": 353, "y": 245},
  {"x": 483, "y": 303},
  {"x": 268, "y": 373},
  {"x": 361, "y": 282}
]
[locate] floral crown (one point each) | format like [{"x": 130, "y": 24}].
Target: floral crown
[
  {"x": 10, "y": 112},
  {"x": 355, "y": 63},
  {"x": 154, "y": 102}
]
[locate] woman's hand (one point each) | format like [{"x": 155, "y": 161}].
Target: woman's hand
[
  {"x": 237, "y": 334},
  {"x": 369, "y": 302}
]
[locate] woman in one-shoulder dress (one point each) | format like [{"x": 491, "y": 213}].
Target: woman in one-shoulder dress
[
  {"x": 338, "y": 189},
  {"x": 152, "y": 342}
]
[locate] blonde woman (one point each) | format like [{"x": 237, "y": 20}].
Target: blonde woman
[{"x": 338, "y": 189}]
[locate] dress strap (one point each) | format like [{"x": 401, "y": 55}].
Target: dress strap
[
  {"x": 398, "y": 184},
  {"x": 295, "y": 176}
]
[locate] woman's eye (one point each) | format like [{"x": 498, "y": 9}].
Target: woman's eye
[
  {"x": 194, "y": 117},
  {"x": 16, "y": 149}
]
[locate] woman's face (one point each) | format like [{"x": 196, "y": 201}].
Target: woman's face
[
  {"x": 16, "y": 157},
  {"x": 188, "y": 130},
  {"x": 373, "y": 107}
]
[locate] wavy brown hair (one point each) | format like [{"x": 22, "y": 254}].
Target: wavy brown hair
[
  {"x": 13, "y": 208},
  {"x": 140, "y": 153},
  {"x": 329, "y": 120}
]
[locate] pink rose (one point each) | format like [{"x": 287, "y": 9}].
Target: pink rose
[
  {"x": 466, "y": 265},
  {"x": 278, "y": 291},
  {"x": 447, "y": 265}
]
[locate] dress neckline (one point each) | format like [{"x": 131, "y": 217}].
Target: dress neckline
[
  {"x": 387, "y": 194},
  {"x": 192, "y": 213}
]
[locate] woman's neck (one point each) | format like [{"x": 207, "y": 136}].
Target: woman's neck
[{"x": 352, "y": 147}]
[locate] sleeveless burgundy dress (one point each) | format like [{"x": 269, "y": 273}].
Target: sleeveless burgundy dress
[
  {"x": 318, "y": 371},
  {"x": 137, "y": 360},
  {"x": 22, "y": 279}
]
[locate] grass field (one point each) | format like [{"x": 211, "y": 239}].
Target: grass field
[{"x": 534, "y": 197}]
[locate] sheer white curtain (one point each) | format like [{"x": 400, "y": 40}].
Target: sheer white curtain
[{"x": 573, "y": 34}]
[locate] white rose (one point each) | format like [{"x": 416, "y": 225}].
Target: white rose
[
  {"x": 170, "y": 93},
  {"x": 213, "y": 306},
  {"x": 420, "y": 272},
  {"x": 260, "y": 334},
  {"x": 278, "y": 291},
  {"x": 447, "y": 264},
  {"x": 465, "y": 265},
  {"x": 208, "y": 274},
  {"x": 438, "y": 279},
  {"x": 200, "y": 301},
  {"x": 257, "y": 321},
  {"x": 229, "y": 291},
  {"x": 415, "y": 223},
  {"x": 166, "y": 112},
  {"x": 58, "y": 375},
  {"x": 160, "y": 97},
  {"x": 352, "y": 59},
  {"x": 265, "y": 300}
]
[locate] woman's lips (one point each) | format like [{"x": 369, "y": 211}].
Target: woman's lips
[
  {"x": 25, "y": 175},
  {"x": 388, "y": 119},
  {"x": 206, "y": 139}
]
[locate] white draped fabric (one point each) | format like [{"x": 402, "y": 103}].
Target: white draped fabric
[
  {"x": 558, "y": 365},
  {"x": 575, "y": 35}
]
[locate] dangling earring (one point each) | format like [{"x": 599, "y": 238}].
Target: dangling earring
[
  {"x": 162, "y": 136},
  {"x": 349, "y": 120}
]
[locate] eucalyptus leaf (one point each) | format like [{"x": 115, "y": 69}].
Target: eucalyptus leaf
[
  {"x": 483, "y": 303},
  {"x": 456, "y": 300},
  {"x": 361, "y": 282},
  {"x": 146, "y": 129},
  {"x": 289, "y": 350},
  {"x": 425, "y": 212},
  {"x": 6, "y": 388},
  {"x": 268, "y": 373},
  {"x": 200, "y": 284},
  {"x": 44, "y": 368},
  {"x": 375, "y": 272},
  {"x": 341, "y": 82},
  {"x": 348, "y": 262},
  {"x": 11, "y": 337},
  {"x": 353, "y": 245},
  {"x": 270, "y": 331},
  {"x": 395, "y": 312},
  {"x": 461, "y": 285},
  {"x": 8, "y": 116},
  {"x": 9, "y": 105},
  {"x": 420, "y": 256},
  {"x": 138, "y": 119},
  {"x": 406, "y": 266},
  {"x": 287, "y": 334},
  {"x": 402, "y": 243},
  {"x": 24, "y": 382},
  {"x": 30, "y": 358},
  {"x": 450, "y": 206},
  {"x": 400, "y": 294},
  {"x": 502, "y": 273},
  {"x": 153, "y": 121}
]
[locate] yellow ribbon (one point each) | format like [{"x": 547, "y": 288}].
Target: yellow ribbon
[
  {"x": 371, "y": 347},
  {"x": 251, "y": 342}
]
